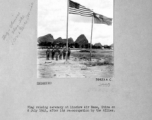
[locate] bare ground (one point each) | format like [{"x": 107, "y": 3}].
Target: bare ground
[{"x": 73, "y": 68}]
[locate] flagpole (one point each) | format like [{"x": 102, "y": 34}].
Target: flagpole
[
  {"x": 91, "y": 38},
  {"x": 67, "y": 30}
]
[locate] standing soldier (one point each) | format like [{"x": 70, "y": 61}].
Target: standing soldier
[
  {"x": 53, "y": 53},
  {"x": 47, "y": 53},
  {"x": 69, "y": 52},
  {"x": 64, "y": 52},
  {"x": 57, "y": 52},
  {"x": 61, "y": 52}
]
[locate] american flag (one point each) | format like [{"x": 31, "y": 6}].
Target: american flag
[{"x": 76, "y": 8}]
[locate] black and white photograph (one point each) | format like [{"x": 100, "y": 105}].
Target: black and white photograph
[
  {"x": 75, "y": 59},
  {"x": 75, "y": 39}
]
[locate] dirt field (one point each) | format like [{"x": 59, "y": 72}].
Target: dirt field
[{"x": 78, "y": 66}]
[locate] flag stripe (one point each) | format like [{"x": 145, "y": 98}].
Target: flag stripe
[
  {"x": 81, "y": 9},
  {"x": 82, "y": 14},
  {"x": 85, "y": 12}
]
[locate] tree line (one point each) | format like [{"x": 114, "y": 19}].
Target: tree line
[{"x": 80, "y": 42}]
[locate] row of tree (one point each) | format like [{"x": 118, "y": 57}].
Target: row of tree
[{"x": 81, "y": 42}]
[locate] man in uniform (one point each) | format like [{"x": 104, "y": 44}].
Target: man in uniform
[
  {"x": 64, "y": 52},
  {"x": 61, "y": 52},
  {"x": 69, "y": 52},
  {"x": 52, "y": 53},
  {"x": 48, "y": 53},
  {"x": 57, "y": 52}
]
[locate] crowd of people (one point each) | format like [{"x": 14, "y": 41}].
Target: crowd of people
[{"x": 58, "y": 53}]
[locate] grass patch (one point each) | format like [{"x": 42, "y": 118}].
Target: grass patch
[
  {"x": 98, "y": 58},
  {"x": 98, "y": 63}
]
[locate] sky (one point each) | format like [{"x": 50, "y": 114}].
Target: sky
[{"x": 52, "y": 18}]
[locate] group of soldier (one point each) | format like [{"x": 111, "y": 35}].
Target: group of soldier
[{"x": 58, "y": 53}]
